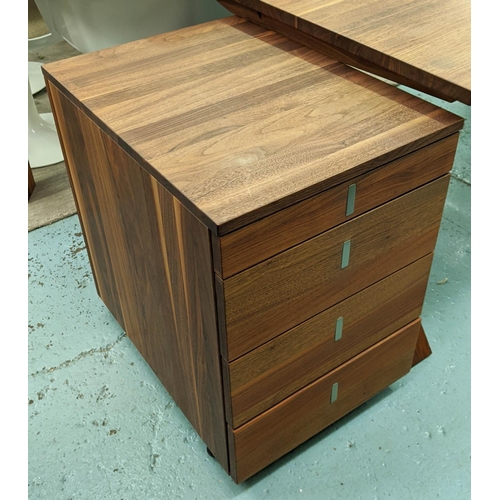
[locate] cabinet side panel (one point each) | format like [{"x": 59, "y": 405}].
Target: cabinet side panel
[
  {"x": 78, "y": 156},
  {"x": 191, "y": 343},
  {"x": 153, "y": 265}
]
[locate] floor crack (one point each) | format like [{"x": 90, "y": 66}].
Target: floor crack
[
  {"x": 459, "y": 179},
  {"x": 83, "y": 354}
]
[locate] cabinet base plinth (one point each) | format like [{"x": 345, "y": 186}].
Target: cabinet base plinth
[{"x": 423, "y": 349}]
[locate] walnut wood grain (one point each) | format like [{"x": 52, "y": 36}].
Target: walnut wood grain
[
  {"x": 424, "y": 44},
  {"x": 288, "y": 424},
  {"x": 239, "y": 122},
  {"x": 153, "y": 265},
  {"x": 31, "y": 182},
  {"x": 277, "y": 369},
  {"x": 176, "y": 141},
  {"x": 279, "y": 293},
  {"x": 422, "y": 349},
  {"x": 70, "y": 132},
  {"x": 261, "y": 240},
  {"x": 326, "y": 48}
]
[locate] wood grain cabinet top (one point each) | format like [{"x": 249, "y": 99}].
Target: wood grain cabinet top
[
  {"x": 424, "y": 44},
  {"x": 238, "y": 122}
]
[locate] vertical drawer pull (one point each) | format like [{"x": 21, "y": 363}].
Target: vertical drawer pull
[
  {"x": 346, "y": 251},
  {"x": 351, "y": 197},
  {"x": 335, "y": 392},
  {"x": 338, "y": 328}
]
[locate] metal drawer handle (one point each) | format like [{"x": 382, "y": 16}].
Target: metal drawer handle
[
  {"x": 338, "y": 328},
  {"x": 335, "y": 392},
  {"x": 346, "y": 252},
  {"x": 351, "y": 198}
]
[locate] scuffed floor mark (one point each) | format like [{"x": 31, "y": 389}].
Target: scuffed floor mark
[
  {"x": 74, "y": 251},
  {"x": 441, "y": 430},
  {"x": 154, "y": 459},
  {"x": 104, "y": 394},
  {"x": 156, "y": 420},
  {"x": 97, "y": 350}
]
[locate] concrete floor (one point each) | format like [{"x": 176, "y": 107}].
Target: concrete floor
[{"x": 102, "y": 427}]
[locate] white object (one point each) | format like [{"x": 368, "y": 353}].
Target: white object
[
  {"x": 35, "y": 77},
  {"x": 43, "y": 143},
  {"x": 95, "y": 25},
  {"x": 44, "y": 40}
]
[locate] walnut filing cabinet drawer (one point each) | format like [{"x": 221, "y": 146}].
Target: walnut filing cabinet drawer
[
  {"x": 321, "y": 403},
  {"x": 281, "y": 292},
  {"x": 267, "y": 237},
  {"x": 278, "y": 368},
  {"x": 253, "y": 209}
]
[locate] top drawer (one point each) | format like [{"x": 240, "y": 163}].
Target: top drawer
[{"x": 267, "y": 237}]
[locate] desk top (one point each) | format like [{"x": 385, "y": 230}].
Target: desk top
[
  {"x": 424, "y": 44},
  {"x": 238, "y": 122}
]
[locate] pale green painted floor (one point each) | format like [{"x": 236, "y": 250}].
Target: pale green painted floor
[{"x": 102, "y": 427}]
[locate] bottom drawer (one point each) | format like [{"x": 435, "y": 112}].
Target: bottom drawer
[{"x": 277, "y": 431}]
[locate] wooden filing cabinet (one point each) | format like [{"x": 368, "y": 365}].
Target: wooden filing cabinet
[{"x": 260, "y": 219}]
